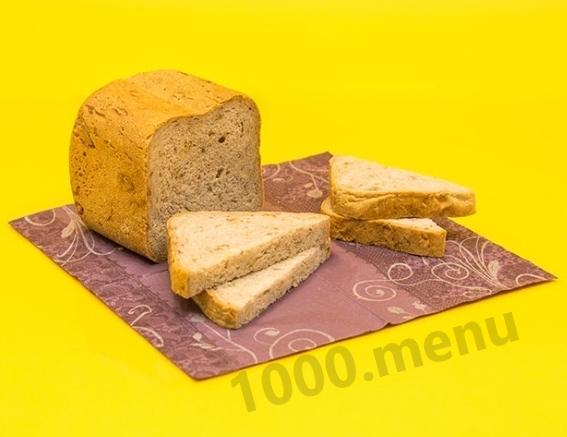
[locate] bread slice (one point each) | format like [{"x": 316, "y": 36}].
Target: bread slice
[
  {"x": 418, "y": 236},
  {"x": 149, "y": 146},
  {"x": 207, "y": 249},
  {"x": 237, "y": 302},
  {"x": 367, "y": 190}
]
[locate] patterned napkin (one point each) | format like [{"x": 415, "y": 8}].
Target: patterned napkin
[{"x": 359, "y": 289}]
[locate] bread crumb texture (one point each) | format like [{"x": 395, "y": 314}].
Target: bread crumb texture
[
  {"x": 363, "y": 189},
  {"x": 207, "y": 249}
]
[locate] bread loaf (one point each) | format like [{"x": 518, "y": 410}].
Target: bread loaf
[
  {"x": 207, "y": 249},
  {"x": 237, "y": 302},
  {"x": 367, "y": 190},
  {"x": 149, "y": 146},
  {"x": 416, "y": 236}
]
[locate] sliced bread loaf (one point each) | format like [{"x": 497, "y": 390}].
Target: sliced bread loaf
[
  {"x": 367, "y": 190},
  {"x": 237, "y": 302},
  {"x": 207, "y": 249},
  {"x": 417, "y": 236},
  {"x": 147, "y": 147}
]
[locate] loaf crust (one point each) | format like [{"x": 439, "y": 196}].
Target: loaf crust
[
  {"x": 238, "y": 302},
  {"x": 415, "y": 236},
  {"x": 109, "y": 152},
  {"x": 353, "y": 194}
]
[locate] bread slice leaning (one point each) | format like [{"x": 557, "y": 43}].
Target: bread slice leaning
[
  {"x": 237, "y": 302},
  {"x": 418, "y": 236},
  {"x": 367, "y": 190},
  {"x": 206, "y": 249}
]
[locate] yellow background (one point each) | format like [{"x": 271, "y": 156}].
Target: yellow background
[{"x": 470, "y": 90}]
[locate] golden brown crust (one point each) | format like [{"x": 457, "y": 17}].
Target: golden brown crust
[
  {"x": 109, "y": 148},
  {"x": 178, "y": 277},
  {"x": 218, "y": 311}
]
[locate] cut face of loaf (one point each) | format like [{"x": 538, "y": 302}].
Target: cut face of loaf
[
  {"x": 367, "y": 190},
  {"x": 237, "y": 302},
  {"x": 207, "y": 249},
  {"x": 158, "y": 143},
  {"x": 418, "y": 236},
  {"x": 207, "y": 163}
]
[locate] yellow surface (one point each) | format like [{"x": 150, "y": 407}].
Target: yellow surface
[{"x": 473, "y": 91}]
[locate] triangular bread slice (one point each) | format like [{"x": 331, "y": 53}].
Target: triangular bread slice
[
  {"x": 237, "y": 302},
  {"x": 206, "y": 249},
  {"x": 418, "y": 236},
  {"x": 367, "y": 190}
]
